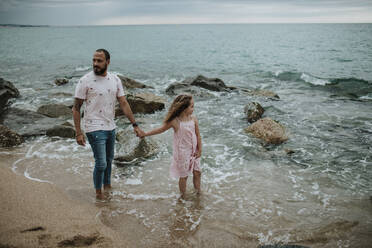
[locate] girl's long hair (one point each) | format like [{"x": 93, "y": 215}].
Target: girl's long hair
[{"x": 179, "y": 104}]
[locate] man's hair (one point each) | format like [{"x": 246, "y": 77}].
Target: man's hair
[{"x": 107, "y": 54}]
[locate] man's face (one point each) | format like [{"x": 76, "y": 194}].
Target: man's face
[{"x": 100, "y": 63}]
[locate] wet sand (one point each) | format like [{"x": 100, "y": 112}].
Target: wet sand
[
  {"x": 143, "y": 209},
  {"x": 34, "y": 214}
]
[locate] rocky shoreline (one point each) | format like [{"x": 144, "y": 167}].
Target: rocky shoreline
[{"x": 55, "y": 119}]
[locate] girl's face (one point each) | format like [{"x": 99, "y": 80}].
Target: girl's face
[{"x": 190, "y": 108}]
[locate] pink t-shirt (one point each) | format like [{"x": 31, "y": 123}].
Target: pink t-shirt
[{"x": 100, "y": 94}]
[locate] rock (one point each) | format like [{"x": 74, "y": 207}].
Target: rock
[
  {"x": 61, "y": 81},
  {"x": 181, "y": 88},
  {"x": 214, "y": 84},
  {"x": 61, "y": 94},
  {"x": 253, "y": 111},
  {"x": 144, "y": 149},
  {"x": 288, "y": 151},
  {"x": 61, "y": 131},
  {"x": 69, "y": 123},
  {"x": 55, "y": 110},
  {"x": 261, "y": 93},
  {"x": 91, "y": 240},
  {"x": 176, "y": 88},
  {"x": 283, "y": 246},
  {"x": 28, "y": 123},
  {"x": 268, "y": 130},
  {"x": 189, "y": 84},
  {"x": 132, "y": 148},
  {"x": 9, "y": 138},
  {"x": 7, "y": 91},
  {"x": 131, "y": 84},
  {"x": 144, "y": 103}
]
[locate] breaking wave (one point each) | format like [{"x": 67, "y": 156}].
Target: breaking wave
[{"x": 349, "y": 87}]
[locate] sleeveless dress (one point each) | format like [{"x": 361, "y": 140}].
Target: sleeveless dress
[{"x": 184, "y": 147}]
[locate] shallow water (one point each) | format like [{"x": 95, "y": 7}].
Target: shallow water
[{"x": 253, "y": 193}]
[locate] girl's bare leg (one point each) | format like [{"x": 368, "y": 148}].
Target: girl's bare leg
[
  {"x": 182, "y": 185},
  {"x": 196, "y": 180}
]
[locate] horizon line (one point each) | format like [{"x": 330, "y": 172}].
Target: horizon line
[{"x": 159, "y": 24}]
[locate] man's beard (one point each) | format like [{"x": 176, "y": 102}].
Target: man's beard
[{"x": 98, "y": 71}]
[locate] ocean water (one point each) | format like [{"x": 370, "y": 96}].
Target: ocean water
[{"x": 253, "y": 194}]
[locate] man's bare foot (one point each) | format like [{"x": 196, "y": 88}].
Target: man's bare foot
[
  {"x": 107, "y": 187},
  {"x": 99, "y": 194}
]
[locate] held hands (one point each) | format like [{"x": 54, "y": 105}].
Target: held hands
[{"x": 139, "y": 132}]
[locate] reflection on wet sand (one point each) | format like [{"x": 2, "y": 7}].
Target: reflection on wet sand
[
  {"x": 244, "y": 206},
  {"x": 185, "y": 218}
]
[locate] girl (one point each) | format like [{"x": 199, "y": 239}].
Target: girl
[{"x": 187, "y": 146}]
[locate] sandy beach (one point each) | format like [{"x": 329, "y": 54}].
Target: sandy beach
[
  {"x": 313, "y": 190},
  {"x": 35, "y": 214}
]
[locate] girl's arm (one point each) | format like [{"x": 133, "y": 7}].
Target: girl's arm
[
  {"x": 159, "y": 130},
  {"x": 199, "y": 145}
]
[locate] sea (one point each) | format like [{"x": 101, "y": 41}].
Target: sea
[{"x": 253, "y": 194}]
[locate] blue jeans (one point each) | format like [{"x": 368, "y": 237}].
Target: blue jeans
[{"x": 103, "y": 147}]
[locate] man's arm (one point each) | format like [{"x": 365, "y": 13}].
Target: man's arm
[
  {"x": 80, "y": 139},
  {"x": 125, "y": 107}
]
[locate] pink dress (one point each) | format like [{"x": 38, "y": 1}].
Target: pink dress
[{"x": 184, "y": 147}]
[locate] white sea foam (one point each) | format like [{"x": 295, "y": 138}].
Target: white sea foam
[
  {"x": 277, "y": 73},
  {"x": 301, "y": 211},
  {"x": 150, "y": 197},
  {"x": 133, "y": 181},
  {"x": 220, "y": 176},
  {"x": 315, "y": 186},
  {"x": 82, "y": 68},
  {"x": 27, "y": 175},
  {"x": 264, "y": 239},
  {"x": 366, "y": 97},
  {"x": 314, "y": 80},
  {"x": 196, "y": 223},
  {"x": 14, "y": 165}
]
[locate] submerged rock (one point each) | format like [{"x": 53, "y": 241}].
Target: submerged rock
[
  {"x": 144, "y": 103},
  {"x": 132, "y": 148},
  {"x": 61, "y": 81},
  {"x": 9, "y": 138},
  {"x": 61, "y": 94},
  {"x": 28, "y": 123},
  {"x": 261, "y": 93},
  {"x": 190, "y": 85},
  {"x": 283, "y": 246},
  {"x": 131, "y": 84},
  {"x": 7, "y": 91},
  {"x": 253, "y": 111},
  {"x": 61, "y": 131},
  {"x": 289, "y": 151},
  {"x": 55, "y": 110},
  {"x": 268, "y": 130}
]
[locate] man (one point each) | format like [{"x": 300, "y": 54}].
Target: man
[{"x": 99, "y": 90}]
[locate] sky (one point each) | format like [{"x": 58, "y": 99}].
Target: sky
[{"x": 132, "y": 12}]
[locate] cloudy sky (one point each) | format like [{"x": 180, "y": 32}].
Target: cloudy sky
[{"x": 120, "y": 12}]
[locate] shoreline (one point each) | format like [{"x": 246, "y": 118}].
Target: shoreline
[{"x": 36, "y": 214}]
